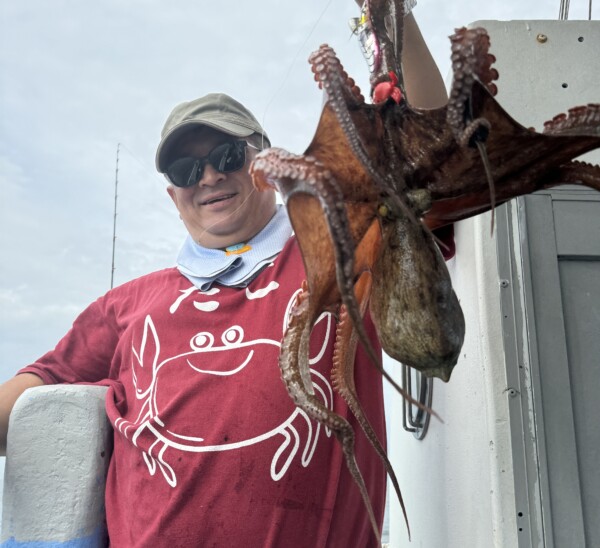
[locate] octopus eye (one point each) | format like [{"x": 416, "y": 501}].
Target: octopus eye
[
  {"x": 233, "y": 335},
  {"x": 202, "y": 340}
]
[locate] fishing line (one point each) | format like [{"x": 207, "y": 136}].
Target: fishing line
[
  {"x": 153, "y": 174},
  {"x": 232, "y": 213},
  {"x": 158, "y": 182}
]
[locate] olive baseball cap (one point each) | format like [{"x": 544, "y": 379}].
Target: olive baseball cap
[{"x": 215, "y": 110}]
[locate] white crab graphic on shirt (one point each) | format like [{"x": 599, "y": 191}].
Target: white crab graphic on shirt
[{"x": 242, "y": 351}]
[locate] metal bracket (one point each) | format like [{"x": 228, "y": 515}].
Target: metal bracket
[{"x": 420, "y": 387}]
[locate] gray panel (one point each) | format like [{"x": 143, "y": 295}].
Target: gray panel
[
  {"x": 577, "y": 226},
  {"x": 580, "y": 286},
  {"x": 563, "y": 510}
]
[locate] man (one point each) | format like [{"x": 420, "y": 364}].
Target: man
[{"x": 209, "y": 449}]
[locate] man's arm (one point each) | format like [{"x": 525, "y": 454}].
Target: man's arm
[
  {"x": 9, "y": 392},
  {"x": 422, "y": 79}
]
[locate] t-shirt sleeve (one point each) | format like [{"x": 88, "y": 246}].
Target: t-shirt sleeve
[{"x": 85, "y": 353}]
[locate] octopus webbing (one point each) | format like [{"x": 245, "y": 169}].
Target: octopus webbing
[{"x": 372, "y": 187}]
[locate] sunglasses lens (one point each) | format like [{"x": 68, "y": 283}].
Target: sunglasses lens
[
  {"x": 181, "y": 172},
  {"x": 228, "y": 157},
  {"x": 225, "y": 158}
]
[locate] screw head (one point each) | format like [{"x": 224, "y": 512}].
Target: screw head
[{"x": 541, "y": 38}]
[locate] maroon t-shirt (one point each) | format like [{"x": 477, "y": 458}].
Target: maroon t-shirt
[{"x": 209, "y": 449}]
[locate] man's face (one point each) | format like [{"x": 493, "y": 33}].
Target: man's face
[{"x": 222, "y": 209}]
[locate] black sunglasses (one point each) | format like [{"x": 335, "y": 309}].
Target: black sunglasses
[{"x": 225, "y": 158}]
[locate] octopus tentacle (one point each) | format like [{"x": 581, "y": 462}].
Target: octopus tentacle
[
  {"x": 453, "y": 209},
  {"x": 583, "y": 120},
  {"x": 523, "y": 161},
  {"x": 325, "y": 58},
  {"x": 329, "y": 73},
  {"x": 293, "y": 361},
  {"x": 342, "y": 375},
  {"x": 580, "y": 173},
  {"x": 295, "y": 175},
  {"x": 305, "y": 175},
  {"x": 470, "y": 61},
  {"x": 471, "y": 133}
]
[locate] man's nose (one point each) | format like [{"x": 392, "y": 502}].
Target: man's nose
[{"x": 211, "y": 176}]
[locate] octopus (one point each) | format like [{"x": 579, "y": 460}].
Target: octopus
[{"x": 378, "y": 181}]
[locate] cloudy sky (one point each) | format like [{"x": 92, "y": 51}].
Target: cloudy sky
[{"x": 79, "y": 77}]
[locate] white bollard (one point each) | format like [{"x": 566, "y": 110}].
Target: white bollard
[{"x": 58, "y": 449}]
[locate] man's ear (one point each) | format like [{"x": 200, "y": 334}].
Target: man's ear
[{"x": 171, "y": 192}]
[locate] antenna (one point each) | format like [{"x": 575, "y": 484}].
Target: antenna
[{"x": 112, "y": 272}]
